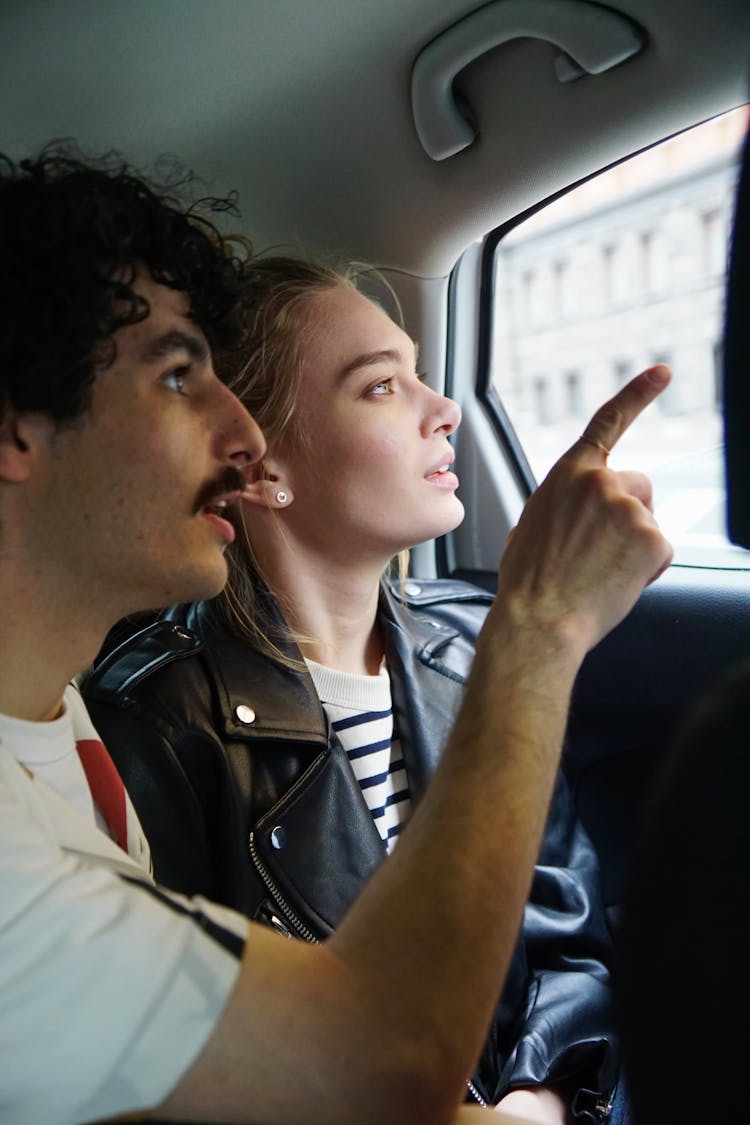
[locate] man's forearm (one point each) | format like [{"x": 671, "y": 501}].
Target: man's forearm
[{"x": 456, "y": 887}]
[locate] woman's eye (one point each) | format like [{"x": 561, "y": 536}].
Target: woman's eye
[
  {"x": 381, "y": 388},
  {"x": 175, "y": 380}
]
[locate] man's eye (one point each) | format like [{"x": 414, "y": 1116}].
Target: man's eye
[{"x": 175, "y": 380}]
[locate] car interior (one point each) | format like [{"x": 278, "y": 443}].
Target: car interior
[{"x": 458, "y": 147}]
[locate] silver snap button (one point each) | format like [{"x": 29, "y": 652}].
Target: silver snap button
[
  {"x": 179, "y": 638},
  {"x": 412, "y": 589},
  {"x": 278, "y": 837},
  {"x": 244, "y": 713}
]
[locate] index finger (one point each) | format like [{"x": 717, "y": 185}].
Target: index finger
[{"x": 613, "y": 418}]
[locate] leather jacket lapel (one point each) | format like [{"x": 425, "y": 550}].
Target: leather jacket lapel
[{"x": 427, "y": 690}]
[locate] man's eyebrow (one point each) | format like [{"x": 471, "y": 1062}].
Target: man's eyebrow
[{"x": 177, "y": 340}]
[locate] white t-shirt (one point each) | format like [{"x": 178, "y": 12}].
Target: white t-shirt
[
  {"x": 109, "y": 987},
  {"x": 48, "y": 750}
]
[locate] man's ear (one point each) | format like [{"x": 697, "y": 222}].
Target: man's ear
[
  {"x": 19, "y": 435},
  {"x": 267, "y": 486}
]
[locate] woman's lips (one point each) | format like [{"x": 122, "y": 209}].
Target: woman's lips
[{"x": 443, "y": 478}]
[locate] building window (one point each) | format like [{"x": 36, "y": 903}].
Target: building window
[
  {"x": 561, "y": 286},
  {"x": 527, "y": 296},
  {"x": 714, "y": 242},
  {"x": 542, "y": 402},
  {"x": 573, "y": 394},
  {"x": 646, "y": 247},
  {"x": 623, "y": 368},
  {"x": 609, "y": 259}
]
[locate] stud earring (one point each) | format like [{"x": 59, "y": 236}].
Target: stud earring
[{"x": 281, "y": 497}]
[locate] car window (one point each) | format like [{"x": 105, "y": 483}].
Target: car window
[{"x": 626, "y": 270}]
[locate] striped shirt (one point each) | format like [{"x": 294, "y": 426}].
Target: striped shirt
[{"x": 360, "y": 712}]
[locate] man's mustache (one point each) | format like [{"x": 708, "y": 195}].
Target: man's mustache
[{"x": 230, "y": 480}]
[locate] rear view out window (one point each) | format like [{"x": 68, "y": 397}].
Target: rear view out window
[{"x": 624, "y": 271}]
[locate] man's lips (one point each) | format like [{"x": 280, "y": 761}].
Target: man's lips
[
  {"x": 229, "y": 483},
  {"x": 214, "y": 513},
  {"x": 215, "y": 498},
  {"x": 217, "y": 513}
]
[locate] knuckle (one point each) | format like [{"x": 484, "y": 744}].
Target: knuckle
[
  {"x": 609, "y": 417},
  {"x": 595, "y": 483}
]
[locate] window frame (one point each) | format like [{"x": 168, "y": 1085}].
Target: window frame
[{"x": 487, "y": 395}]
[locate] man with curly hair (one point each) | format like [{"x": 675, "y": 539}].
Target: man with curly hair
[{"x": 121, "y": 455}]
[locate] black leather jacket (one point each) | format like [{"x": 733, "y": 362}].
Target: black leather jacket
[{"x": 247, "y": 797}]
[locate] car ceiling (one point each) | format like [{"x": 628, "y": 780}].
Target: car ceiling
[{"x": 304, "y": 107}]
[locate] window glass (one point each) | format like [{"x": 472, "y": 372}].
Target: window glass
[{"x": 624, "y": 271}]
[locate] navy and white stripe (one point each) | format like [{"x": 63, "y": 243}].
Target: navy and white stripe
[{"x": 360, "y": 712}]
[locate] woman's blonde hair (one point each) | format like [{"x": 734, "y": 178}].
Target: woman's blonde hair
[{"x": 266, "y": 378}]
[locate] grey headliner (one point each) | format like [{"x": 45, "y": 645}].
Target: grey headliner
[{"x": 303, "y": 105}]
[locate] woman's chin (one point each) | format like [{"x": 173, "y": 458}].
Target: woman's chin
[
  {"x": 448, "y": 522},
  {"x": 453, "y": 516}
]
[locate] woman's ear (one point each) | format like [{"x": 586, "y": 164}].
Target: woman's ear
[
  {"x": 18, "y": 439},
  {"x": 267, "y": 487}
]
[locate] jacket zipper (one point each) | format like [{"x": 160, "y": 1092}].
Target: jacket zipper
[
  {"x": 591, "y": 1105},
  {"x": 475, "y": 1094},
  {"x": 291, "y": 918}
]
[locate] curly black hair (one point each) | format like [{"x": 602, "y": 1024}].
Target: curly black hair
[{"x": 73, "y": 234}]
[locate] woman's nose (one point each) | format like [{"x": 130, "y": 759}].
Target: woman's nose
[
  {"x": 242, "y": 440},
  {"x": 444, "y": 414}
]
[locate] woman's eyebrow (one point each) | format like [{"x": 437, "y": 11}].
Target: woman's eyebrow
[
  {"x": 372, "y": 359},
  {"x": 177, "y": 340}
]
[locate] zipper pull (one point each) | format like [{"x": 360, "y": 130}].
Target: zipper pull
[
  {"x": 267, "y": 916},
  {"x": 593, "y": 1106}
]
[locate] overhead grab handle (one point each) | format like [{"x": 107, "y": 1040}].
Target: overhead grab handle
[{"x": 593, "y": 40}]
